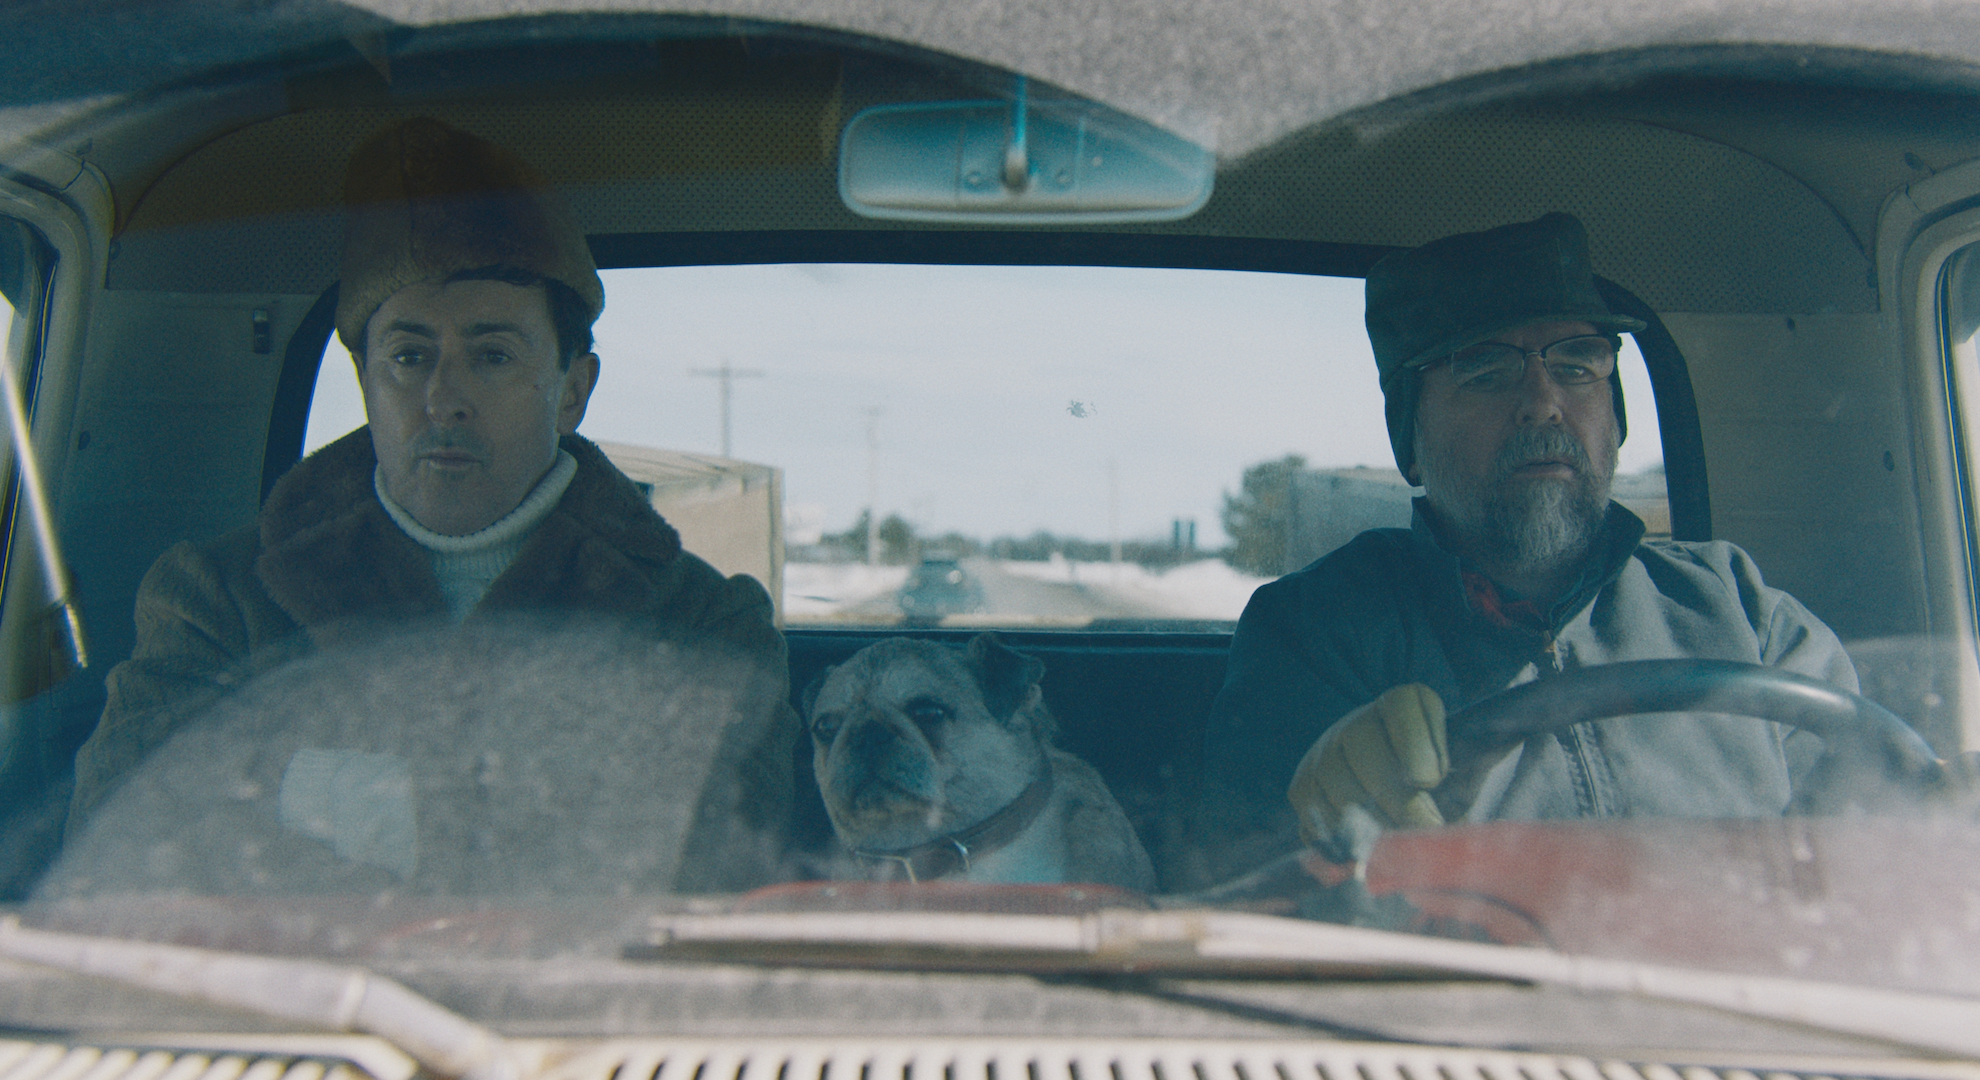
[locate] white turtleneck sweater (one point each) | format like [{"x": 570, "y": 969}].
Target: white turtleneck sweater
[{"x": 468, "y": 565}]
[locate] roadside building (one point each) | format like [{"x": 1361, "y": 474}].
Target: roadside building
[{"x": 729, "y": 512}]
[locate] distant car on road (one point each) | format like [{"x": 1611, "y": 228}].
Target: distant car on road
[{"x": 939, "y": 586}]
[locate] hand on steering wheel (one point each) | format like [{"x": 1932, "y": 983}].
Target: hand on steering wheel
[
  {"x": 1384, "y": 757},
  {"x": 1378, "y": 756}
]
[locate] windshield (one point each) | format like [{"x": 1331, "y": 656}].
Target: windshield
[{"x": 769, "y": 474}]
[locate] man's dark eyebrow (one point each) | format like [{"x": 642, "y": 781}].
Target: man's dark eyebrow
[
  {"x": 480, "y": 329},
  {"x": 410, "y": 327},
  {"x": 483, "y": 329}
]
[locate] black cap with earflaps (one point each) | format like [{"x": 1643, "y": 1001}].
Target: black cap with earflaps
[{"x": 1428, "y": 302}]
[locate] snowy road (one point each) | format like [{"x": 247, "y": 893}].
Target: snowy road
[
  {"x": 1010, "y": 595},
  {"x": 1056, "y": 593}
]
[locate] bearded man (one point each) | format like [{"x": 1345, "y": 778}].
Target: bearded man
[
  {"x": 466, "y": 300},
  {"x": 1498, "y": 367}
]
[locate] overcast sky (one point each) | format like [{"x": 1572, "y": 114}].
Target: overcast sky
[{"x": 1006, "y": 394}]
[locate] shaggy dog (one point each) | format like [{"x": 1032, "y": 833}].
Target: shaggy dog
[{"x": 939, "y": 762}]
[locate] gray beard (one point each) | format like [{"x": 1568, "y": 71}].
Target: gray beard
[{"x": 1533, "y": 529}]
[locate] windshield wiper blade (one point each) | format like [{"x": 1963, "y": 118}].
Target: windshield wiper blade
[
  {"x": 1209, "y": 943},
  {"x": 321, "y": 995}
]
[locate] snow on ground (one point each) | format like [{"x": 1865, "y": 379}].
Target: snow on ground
[
  {"x": 817, "y": 590},
  {"x": 1205, "y": 589}
]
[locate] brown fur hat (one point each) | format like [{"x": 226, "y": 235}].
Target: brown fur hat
[{"x": 424, "y": 201}]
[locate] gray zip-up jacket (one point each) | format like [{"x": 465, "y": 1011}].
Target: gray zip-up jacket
[{"x": 1391, "y": 606}]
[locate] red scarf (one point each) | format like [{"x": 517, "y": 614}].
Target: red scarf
[{"x": 1508, "y": 614}]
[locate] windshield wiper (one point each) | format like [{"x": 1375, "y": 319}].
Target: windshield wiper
[
  {"x": 311, "y": 992},
  {"x": 1208, "y": 943}
]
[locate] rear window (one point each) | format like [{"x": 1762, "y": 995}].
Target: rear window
[{"x": 1093, "y": 447}]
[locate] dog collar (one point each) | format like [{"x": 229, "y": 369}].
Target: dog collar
[{"x": 947, "y": 854}]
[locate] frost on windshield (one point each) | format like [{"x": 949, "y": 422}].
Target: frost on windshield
[{"x": 510, "y": 757}]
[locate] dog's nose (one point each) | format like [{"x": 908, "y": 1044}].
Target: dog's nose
[{"x": 869, "y": 739}]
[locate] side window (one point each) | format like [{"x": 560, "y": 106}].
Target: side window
[
  {"x": 13, "y": 328},
  {"x": 34, "y": 623},
  {"x": 338, "y": 406},
  {"x": 21, "y": 280},
  {"x": 44, "y": 713},
  {"x": 1960, "y": 314},
  {"x": 1640, "y": 462},
  {"x": 1927, "y": 678},
  {"x": 7, "y": 320}
]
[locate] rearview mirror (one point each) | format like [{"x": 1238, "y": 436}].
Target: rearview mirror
[{"x": 1018, "y": 163}]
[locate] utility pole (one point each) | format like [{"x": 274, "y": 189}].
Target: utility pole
[
  {"x": 1114, "y": 514},
  {"x": 728, "y": 375},
  {"x": 873, "y": 487}
]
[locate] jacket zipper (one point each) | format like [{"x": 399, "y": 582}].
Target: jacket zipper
[{"x": 1578, "y": 757}]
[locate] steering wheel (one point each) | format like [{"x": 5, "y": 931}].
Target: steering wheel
[
  {"x": 1863, "y": 741},
  {"x": 1868, "y": 750}
]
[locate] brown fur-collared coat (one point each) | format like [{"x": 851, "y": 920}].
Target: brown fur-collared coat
[{"x": 325, "y": 565}]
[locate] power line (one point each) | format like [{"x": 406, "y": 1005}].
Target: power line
[
  {"x": 873, "y": 486},
  {"x": 728, "y": 374}
]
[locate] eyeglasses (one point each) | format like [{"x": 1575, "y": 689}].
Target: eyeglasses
[{"x": 1496, "y": 367}]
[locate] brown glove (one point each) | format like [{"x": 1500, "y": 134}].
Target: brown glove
[{"x": 1383, "y": 757}]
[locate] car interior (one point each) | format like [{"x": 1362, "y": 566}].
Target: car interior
[{"x": 1780, "y": 222}]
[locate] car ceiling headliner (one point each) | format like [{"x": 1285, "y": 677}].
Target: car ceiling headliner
[
  {"x": 1236, "y": 74},
  {"x": 1259, "y": 79}
]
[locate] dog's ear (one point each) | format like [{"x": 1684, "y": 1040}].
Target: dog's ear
[
  {"x": 810, "y": 695},
  {"x": 1008, "y": 678}
]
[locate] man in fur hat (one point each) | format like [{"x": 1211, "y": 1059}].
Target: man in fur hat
[
  {"x": 1498, "y": 365},
  {"x": 467, "y": 298}
]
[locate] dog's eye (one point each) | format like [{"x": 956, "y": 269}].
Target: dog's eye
[
  {"x": 924, "y": 713},
  {"x": 826, "y": 725}
]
